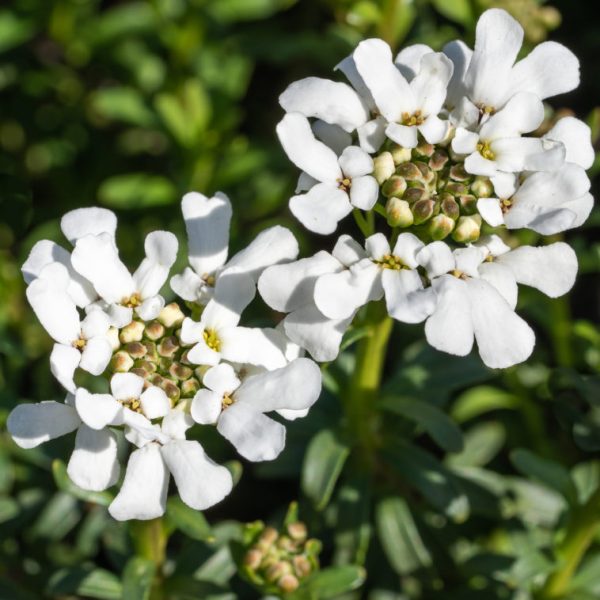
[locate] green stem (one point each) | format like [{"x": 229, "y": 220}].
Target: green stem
[
  {"x": 561, "y": 331},
  {"x": 579, "y": 536},
  {"x": 150, "y": 542},
  {"x": 364, "y": 385},
  {"x": 365, "y": 227}
]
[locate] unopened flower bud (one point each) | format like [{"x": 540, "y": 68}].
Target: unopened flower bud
[
  {"x": 424, "y": 149},
  {"x": 468, "y": 204},
  {"x": 171, "y": 315},
  {"x": 423, "y": 210},
  {"x": 135, "y": 349},
  {"x": 286, "y": 543},
  {"x": 288, "y": 583},
  {"x": 482, "y": 187},
  {"x": 297, "y": 531},
  {"x": 409, "y": 171},
  {"x": 147, "y": 366},
  {"x": 151, "y": 351},
  {"x": 414, "y": 194},
  {"x": 302, "y": 566},
  {"x": 267, "y": 538},
  {"x": 450, "y": 207},
  {"x": 278, "y": 570},
  {"x": 456, "y": 189},
  {"x": 179, "y": 371},
  {"x": 171, "y": 390},
  {"x": 400, "y": 154},
  {"x": 440, "y": 227},
  {"x": 467, "y": 229},
  {"x": 383, "y": 167},
  {"x": 253, "y": 558},
  {"x": 549, "y": 16},
  {"x": 398, "y": 213},
  {"x": 458, "y": 173},
  {"x": 438, "y": 160},
  {"x": 132, "y": 332},
  {"x": 154, "y": 330},
  {"x": 121, "y": 362},
  {"x": 427, "y": 173},
  {"x": 189, "y": 387},
  {"x": 168, "y": 346},
  {"x": 395, "y": 186}
]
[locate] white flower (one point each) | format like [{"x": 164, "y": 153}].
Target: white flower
[
  {"x": 472, "y": 305},
  {"x": 498, "y": 145},
  {"x": 84, "y": 344},
  {"x": 96, "y": 257},
  {"x": 217, "y": 337},
  {"x": 489, "y": 77},
  {"x": 239, "y": 409},
  {"x": 207, "y": 224},
  {"x": 289, "y": 288},
  {"x": 409, "y": 99},
  {"x": 340, "y": 182},
  {"x": 377, "y": 271}
]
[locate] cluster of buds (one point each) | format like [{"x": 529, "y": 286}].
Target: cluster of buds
[
  {"x": 154, "y": 351},
  {"x": 278, "y": 561},
  {"x": 428, "y": 190}
]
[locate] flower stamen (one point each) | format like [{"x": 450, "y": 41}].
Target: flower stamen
[
  {"x": 212, "y": 339},
  {"x": 484, "y": 149},
  {"x": 390, "y": 261},
  {"x": 345, "y": 184},
  {"x": 413, "y": 119}
]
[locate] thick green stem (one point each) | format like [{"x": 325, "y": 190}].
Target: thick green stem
[
  {"x": 364, "y": 385},
  {"x": 150, "y": 542},
  {"x": 571, "y": 550}
]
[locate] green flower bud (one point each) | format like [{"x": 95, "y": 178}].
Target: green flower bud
[
  {"x": 482, "y": 187},
  {"x": 398, "y": 213},
  {"x": 286, "y": 543},
  {"x": 400, "y": 154},
  {"x": 151, "y": 352},
  {"x": 267, "y": 538},
  {"x": 171, "y": 315},
  {"x": 449, "y": 206},
  {"x": 409, "y": 171},
  {"x": 302, "y": 566},
  {"x": 458, "y": 173},
  {"x": 288, "y": 583},
  {"x": 456, "y": 189},
  {"x": 135, "y": 349},
  {"x": 467, "y": 229},
  {"x": 171, "y": 390},
  {"x": 121, "y": 362},
  {"x": 423, "y": 210},
  {"x": 179, "y": 371},
  {"x": 277, "y": 571},
  {"x": 395, "y": 186},
  {"x": 424, "y": 149},
  {"x": 427, "y": 174},
  {"x": 440, "y": 227},
  {"x": 253, "y": 558},
  {"x": 139, "y": 372},
  {"x": 189, "y": 387},
  {"x": 154, "y": 330},
  {"x": 468, "y": 204},
  {"x": 168, "y": 346},
  {"x": 297, "y": 531},
  {"x": 438, "y": 160},
  {"x": 147, "y": 366},
  {"x": 413, "y": 195},
  {"x": 383, "y": 167},
  {"x": 549, "y": 16},
  {"x": 132, "y": 332}
]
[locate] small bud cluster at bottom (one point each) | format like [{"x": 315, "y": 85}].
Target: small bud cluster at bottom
[
  {"x": 278, "y": 561},
  {"x": 154, "y": 351}
]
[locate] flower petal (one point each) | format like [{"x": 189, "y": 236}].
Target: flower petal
[
  {"x": 154, "y": 402},
  {"x": 201, "y": 354},
  {"x": 377, "y": 246},
  {"x": 407, "y": 247},
  {"x": 355, "y": 162},
  {"x": 434, "y": 129},
  {"x": 161, "y": 252},
  {"x": 371, "y": 135},
  {"x": 577, "y": 139},
  {"x": 201, "y": 482},
  {"x": 251, "y": 345},
  {"x": 460, "y": 55},
  {"x": 221, "y": 379},
  {"x": 33, "y": 424},
  {"x": 348, "y": 251},
  {"x": 98, "y": 410},
  {"x": 188, "y": 285},
  {"x": 364, "y": 192},
  {"x": 234, "y": 290},
  {"x": 502, "y": 279},
  {"x": 206, "y": 406},
  {"x": 491, "y": 211},
  {"x": 63, "y": 362},
  {"x": 331, "y": 135},
  {"x": 93, "y": 465},
  {"x": 523, "y": 113},
  {"x": 143, "y": 494},
  {"x": 88, "y": 221},
  {"x": 436, "y": 258},
  {"x": 96, "y": 355},
  {"x": 150, "y": 308},
  {"x": 402, "y": 134},
  {"x": 408, "y": 60},
  {"x": 405, "y": 298},
  {"x": 430, "y": 84},
  {"x": 125, "y": 386}
]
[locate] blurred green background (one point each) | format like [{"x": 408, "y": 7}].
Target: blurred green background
[{"x": 128, "y": 105}]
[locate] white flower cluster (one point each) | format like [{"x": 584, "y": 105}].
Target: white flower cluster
[
  {"x": 440, "y": 138},
  {"x": 166, "y": 371}
]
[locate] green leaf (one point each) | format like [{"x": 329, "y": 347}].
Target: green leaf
[
  {"x": 9, "y": 509},
  {"x": 123, "y": 104},
  {"x": 400, "y": 537},
  {"x": 246, "y": 10},
  {"x": 550, "y": 473},
  {"x": 322, "y": 466},
  {"x": 480, "y": 400},
  {"x": 482, "y": 443},
  {"x": 455, "y": 10},
  {"x": 137, "y": 578},
  {"x": 59, "y": 470},
  {"x": 189, "y": 521},
  {"x": 437, "y": 484},
  {"x": 136, "y": 190},
  {"x": 93, "y": 583},
  {"x": 13, "y": 31},
  {"x": 184, "y": 588},
  {"x": 438, "y": 425},
  {"x": 333, "y": 581},
  {"x": 59, "y": 516}
]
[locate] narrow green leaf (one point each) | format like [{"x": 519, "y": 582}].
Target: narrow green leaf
[
  {"x": 480, "y": 400},
  {"x": 137, "y": 578},
  {"x": 334, "y": 581},
  {"x": 122, "y": 104},
  {"x": 136, "y": 190},
  {"x": 455, "y": 10},
  {"x": 322, "y": 466},
  {"x": 13, "y": 30},
  {"x": 188, "y": 521},
  {"x": 184, "y": 588},
  {"x": 92, "y": 583},
  {"x": 59, "y": 470},
  {"x": 550, "y": 473},
  {"x": 400, "y": 537},
  {"x": 482, "y": 443},
  {"x": 444, "y": 432},
  {"x": 9, "y": 508}
]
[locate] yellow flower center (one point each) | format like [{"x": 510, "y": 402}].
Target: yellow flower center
[
  {"x": 209, "y": 279},
  {"x": 415, "y": 119},
  {"x": 227, "y": 401},
  {"x": 486, "y": 110},
  {"x": 345, "y": 184},
  {"x": 389, "y": 261},
  {"x": 212, "y": 339},
  {"x": 133, "y": 301},
  {"x": 133, "y": 404},
  {"x": 484, "y": 149},
  {"x": 79, "y": 344},
  {"x": 505, "y": 204},
  {"x": 459, "y": 274}
]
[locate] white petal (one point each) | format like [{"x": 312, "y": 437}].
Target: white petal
[
  {"x": 191, "y": 331},
  {"x": 272, "y": 246},
  {"x": 233, "y": 292},
  {"x": 465, "y": 114},
  {"x": 221, "y": 379},
  {"x": 305, "y": 151},
  {"x": 468, "y": 259},
  {"x": 499, "y": 276},
  {"x": 437, "y": 258},
  {"x": 177, "y": 422},
  {"x": 188, "y": 285},
  {"x": 52, "y": 304},
  {"x": 251, "y": 345},
  {"x": 98, "y": 410},
  {"x": 497, "y": 44},
  {"x": 96, "y": 355},
  {"x": 201, "y": 354},
  {"x": 143, "y": 494},
  {"x": 217, "y": 315},
  {"x": 390, "y": 90},
  {"x": 434, "y": 129},
  {"x": 577, "y": 139},
  {"x": 161, "y": 252},
  {"x": 125, "y": 386},
  {"x": 548, "y": 70},
  {"x": 505, "y": 184},
  {"x": 355, "y": 162},
  {"x": 201, "y": 482},
  {"x": 348, "y": 68},
  {"x": 93, "y": 465},
  {"x": 407, "y": 247},
  {"x": 405, "y": 298},
  {"x": 477, "y": 165},
  {"x": 88, "y": 221},
  {"x": 331, "y": 135},
  {"x": 255, "y": 436},
  {"x": 551, "y": 269},
  {"x": 460, "y": 55},
  {"x": 348, "y": 251},
  {"x": 150, "y": 308},
  {"x": 321, "y": 208},
  {"x": 63, "y": 362},
  {"x": 331, "y": 101},
  {"x": 490, "y": 211},
  {"x": 581, "y": 207},
  {"x": 292, "y": 415},
  {"x": 429, "y": 86},
  {"x": 377, "y": 246},
  {"x": 97, "y": 259},
  {"x": 207, "y": 225},
  {"x": 408, "y": 60},
  {"x": 523, "y": 113},
  {"x": 154, "y": 403},
  {"x": 403, "y": 135},
  {"x": 33, "y": 424},
  {"x": 371, "y": 135},
  {"x": 464, "y": 141},
  {"x": 120, "y": 316},
  {"x": 206, "y": 406},
  {"x": 288, "y": 287},
  {"x": 96, "y": 323},
  {"x": 503, "y": 338},
  {"x": 450, "y": 327},
  {"x": 364, "y": 192}
]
